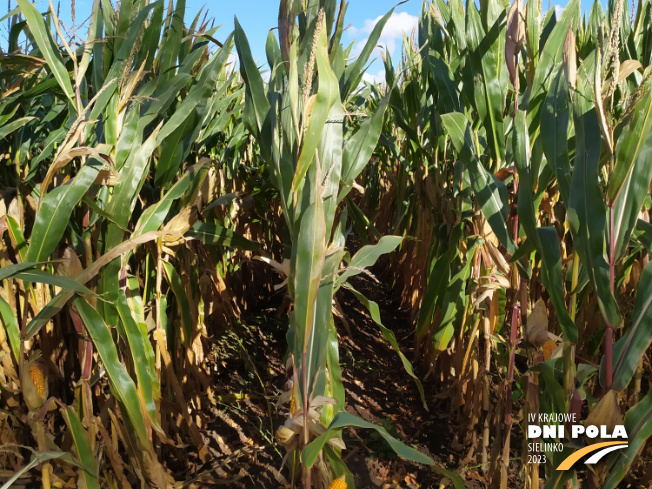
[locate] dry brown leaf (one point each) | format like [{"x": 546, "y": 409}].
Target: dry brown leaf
[{"x": 536, "y": 331}]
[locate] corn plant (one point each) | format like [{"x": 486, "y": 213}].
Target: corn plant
[
  {"x": 314, "y": 157},
  {"x": 103, "y": 181},
  {"x": 500, "y": 172},
  {"x": 530, "y": 177}
]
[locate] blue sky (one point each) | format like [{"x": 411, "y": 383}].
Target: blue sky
[{"x": 257, "y": 17}]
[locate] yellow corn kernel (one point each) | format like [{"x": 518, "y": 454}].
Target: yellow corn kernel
[
  {"x": 293, "y": 404},
  {"x": 36, "y": 374},
  {"x": 34, "y": 384},
  {"x": 338, "y": 483},
  {"x": 548, "y": 349}
]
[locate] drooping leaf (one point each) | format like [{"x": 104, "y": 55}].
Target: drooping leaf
[
  {"x": 60, "y": 300},
  {"x": 344, "y": 420},
  {"x": 389, "y": 336},
  {"x": 216, "y": 234},
  {"x": 368, "y": 255}
]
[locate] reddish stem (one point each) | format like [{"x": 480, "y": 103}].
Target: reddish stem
[
  {"x": 510, "y": 368},
  {"x": 609, "y": 330}
]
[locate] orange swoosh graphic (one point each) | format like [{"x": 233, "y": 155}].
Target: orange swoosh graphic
[{"x": 571, "y": 459}]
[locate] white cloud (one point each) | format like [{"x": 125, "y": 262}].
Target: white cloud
[
  {"x": 377, "y": 78},
  {"x": 558, "y": 11},
  {"x": 397, "y": 25}
]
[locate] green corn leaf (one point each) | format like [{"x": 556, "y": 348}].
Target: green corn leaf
[
  {"x": 454, "y": 301},
  {"x": 545, "y": 239},
  {"x": 175, "y": 147},
  {"x": 533, "y": 34},
  {"x": 334, "y": 368},
  {"x": 486, "y": 187},
  {"x": 150, "y": 43},
  {"x": 130, "y": 137},
  {"x": 359, "y": 148},
  {"x": 586, "y": 207},
  {"x": 170, "y": 49},
  {"x": 629, "y": 349},
  {"x": 37, "y": 459},
  {"x": 553, "y": 398},
  {"x": 216, "y": 234},
  {"x": 353, "y": 72},
  {"x": 629, "y": 183},
  {"x": 445, "y": 82},
  {"x": 48, "y": 48},
  {"x": 459, "y": 23},
  {"x": 554, "y": 131},
  {"x": 11, "y": 270},
  {"x": 82, "y": 446},
  {"x": 643, "y": 233},
  {"x": 487, "y": 58},
  {"x": 338, "y": 465},
  {"x": 143, "y": 357},
  {"x": 256, "y": 104},
  {"x": 12, "y": 329},
  {"x": 552, "y": 279},
  {"x": 18, "y": 238},
  {"x": 319, "y": 343},
  {"x": 437, "y": 281},
  {"x": 125, "y": 18},
  {"x": 58, "y": 280},
  {"x": 60, "y": 300},
  {"x": 14, "y": 125},
  {"x": 307, "y": 269},
  {"x": 53, "y": 216},
  {"x": 123, "y": 201},
  {"x": 638, "y": 424},
  {"x": 152, "y": 218},
  {"x": 368, "y": 255},
  {"x": 183, "y": 303},
  {"x": 91, "y": 37},
  {"x": 362, "y": 224},
  {"x": 54, "y": 139},
  {"x": 162, "y": 94},
  {"x": 331, "y": 161},
  {"x": 389, "y": 336},
  {"x": 131, "y": 179},
  {"x": 181, "y": 129},
  {"x": 11, "y": 13},
  {"x": 344, "y": 420},
  {"x": 122, "y": 384},
  {"x": 551, "y": 57}
]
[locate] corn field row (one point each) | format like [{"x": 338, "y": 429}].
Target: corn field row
[{"x": 151, "y": 187}]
